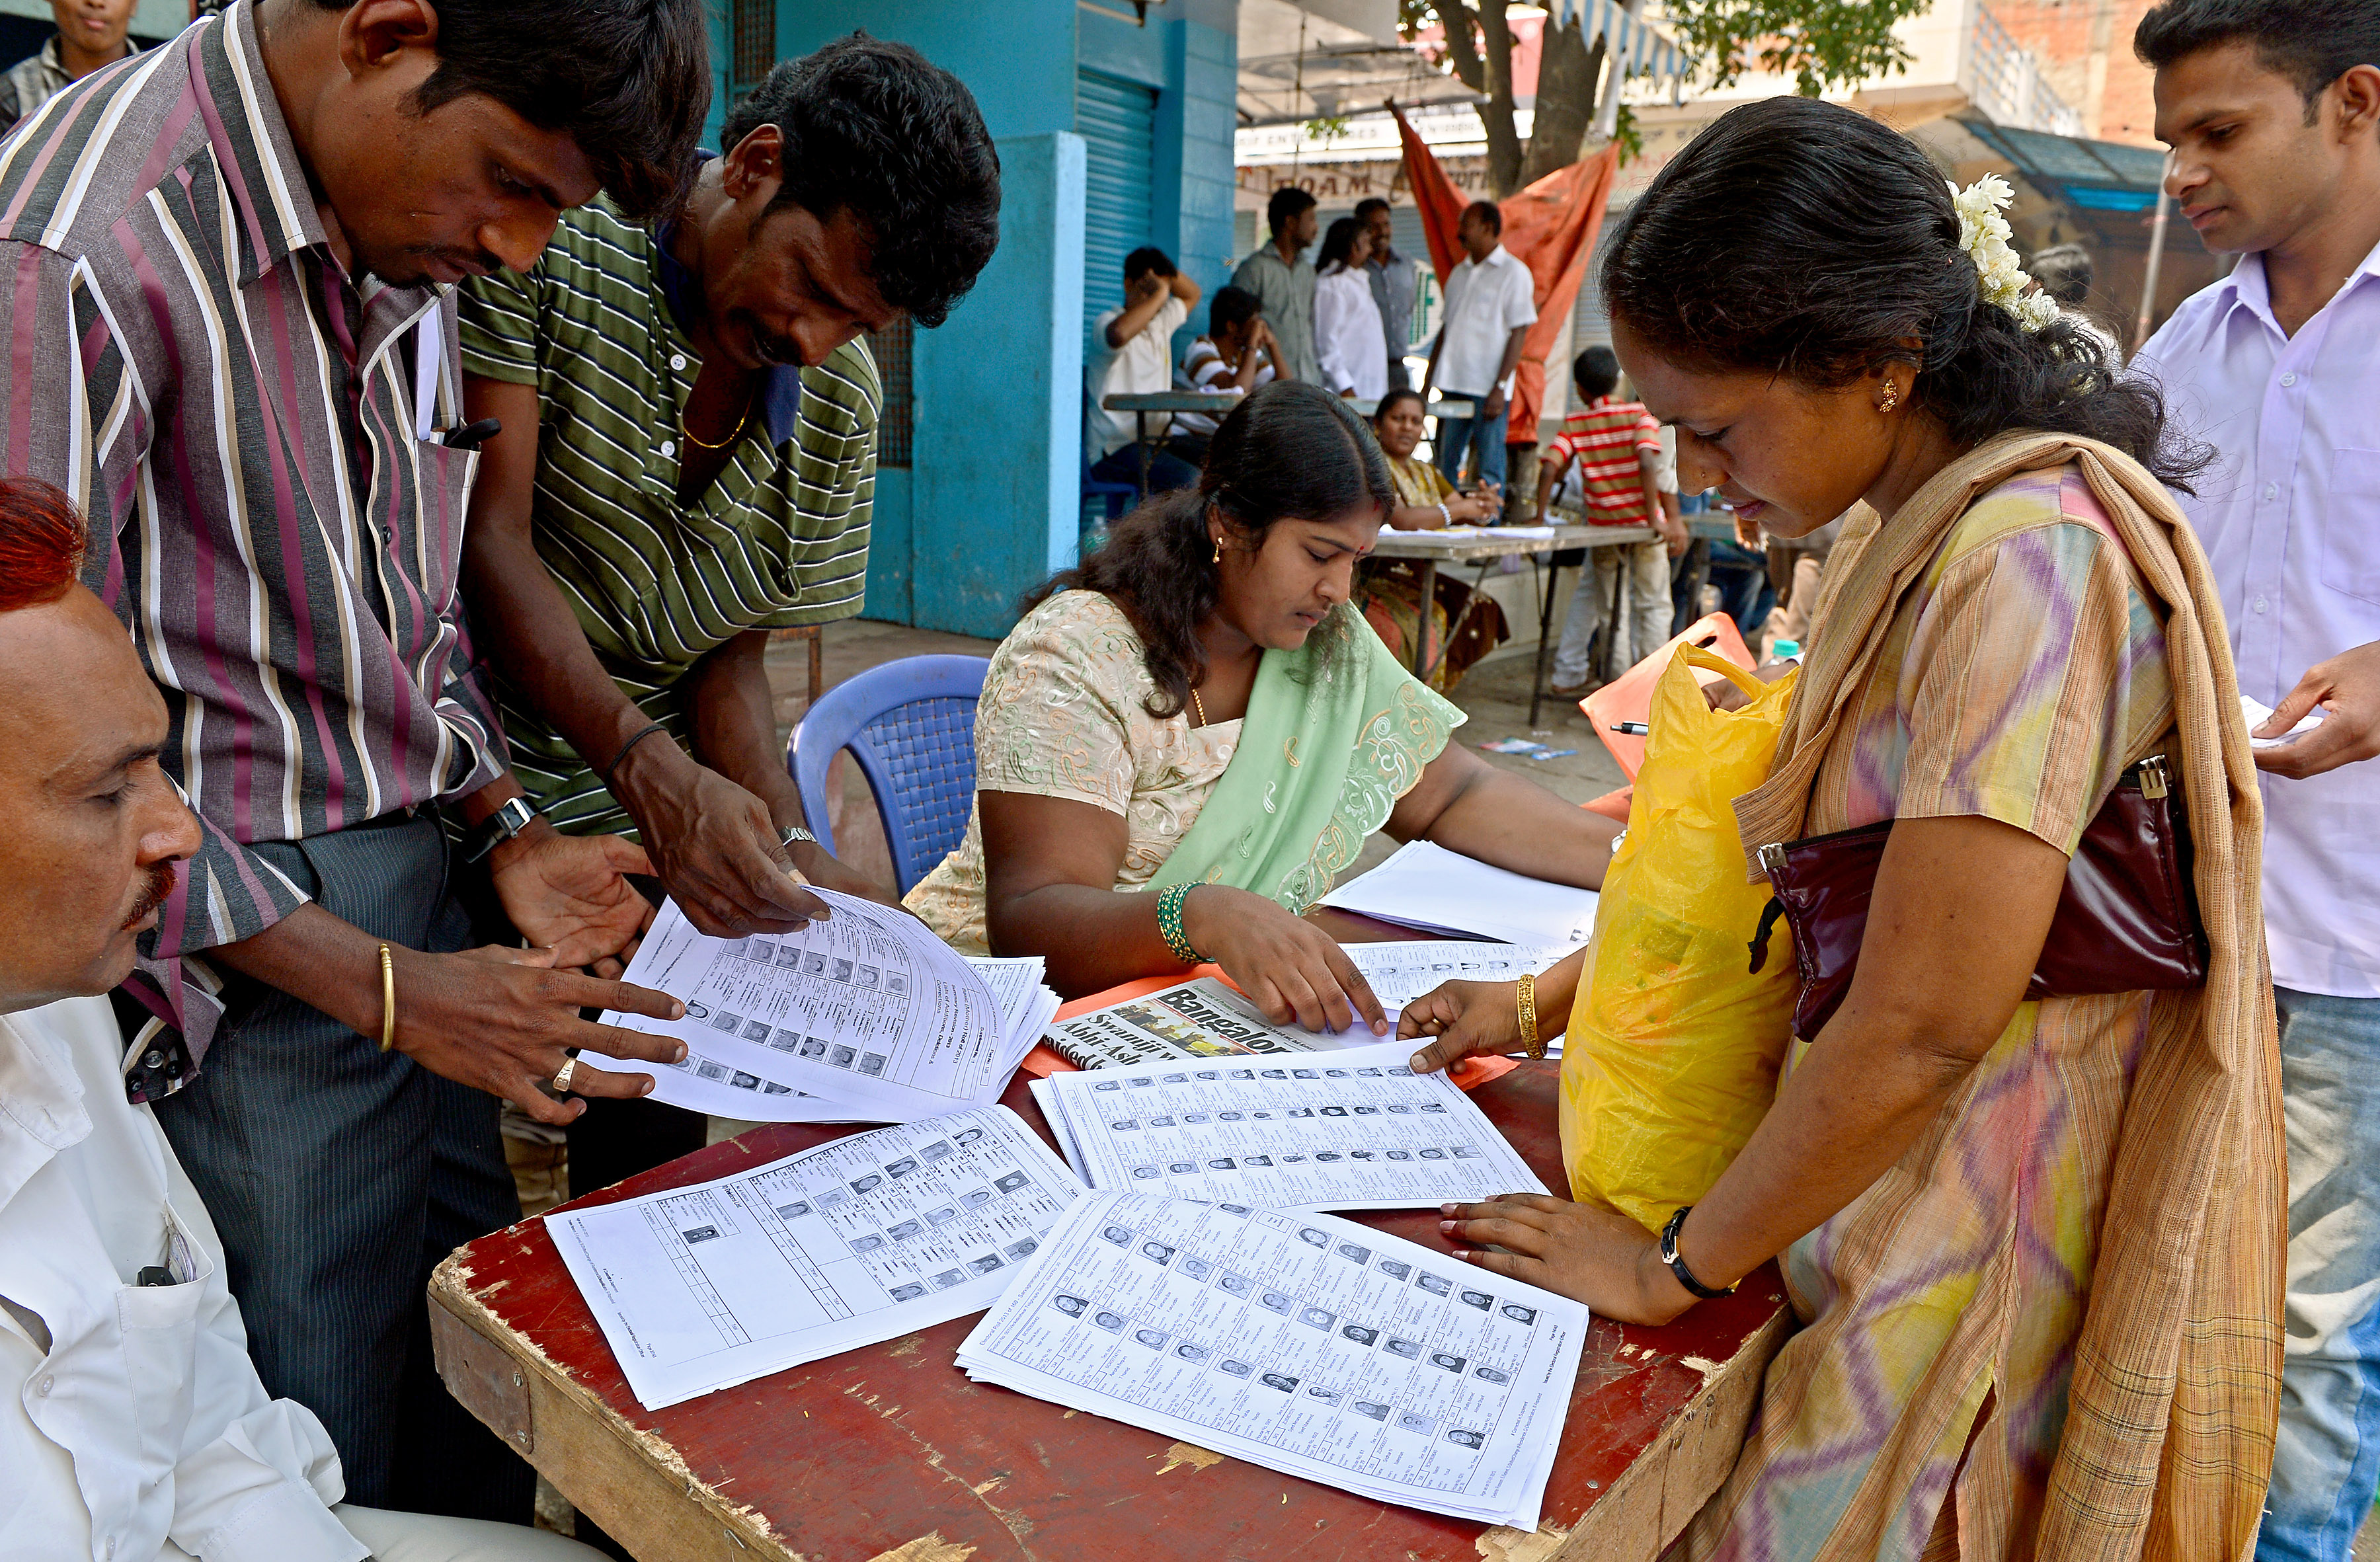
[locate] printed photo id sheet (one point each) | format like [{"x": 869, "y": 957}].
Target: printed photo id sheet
[
  {"x": 1303, "y": 1343},
  {"x": 1400, "y": 973},
  {"x": 1351, "y": 1130},
  {"x": 700, "y": 1082},
  {"x": 866, "y": 1008},
  {"x": 856, "y": 1242}
]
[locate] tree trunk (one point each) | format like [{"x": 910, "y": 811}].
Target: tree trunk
[
  {"x": 1462, "y": 26},
  {"x": 1568, "y": 73},
  {"x": 1503, "y": 141}
]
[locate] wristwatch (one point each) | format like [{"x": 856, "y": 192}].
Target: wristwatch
[{"x": 512, "y": 816}]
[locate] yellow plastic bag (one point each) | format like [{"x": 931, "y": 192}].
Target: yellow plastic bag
[{"x": 1672, "y": 1048}]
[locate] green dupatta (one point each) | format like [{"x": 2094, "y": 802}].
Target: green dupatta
[{"x": 1336, "y": 732}]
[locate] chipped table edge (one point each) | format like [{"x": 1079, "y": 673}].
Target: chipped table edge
[{"x": 451, "y": 1287}]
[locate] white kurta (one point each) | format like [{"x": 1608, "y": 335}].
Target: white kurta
[
  {"x": 133, "y": 1416},
  {"x": 1348, "y": 337}
]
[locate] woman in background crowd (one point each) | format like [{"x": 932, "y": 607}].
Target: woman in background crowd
[
  {"x": 1348, "y": 338},
  {"x": 1389, "y": 590}
]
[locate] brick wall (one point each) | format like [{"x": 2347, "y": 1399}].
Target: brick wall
[{"x": 2062, "y": 33}]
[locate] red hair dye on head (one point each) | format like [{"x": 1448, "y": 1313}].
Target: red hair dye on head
[{"x": 41, "y": 543}]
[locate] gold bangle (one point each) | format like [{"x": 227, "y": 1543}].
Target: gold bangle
[
  {"x": 1536, "y": 1044},
  {"x": 387, "y": 1000}
]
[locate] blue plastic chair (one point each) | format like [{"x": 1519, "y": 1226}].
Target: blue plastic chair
[{"x": 910, "y": 724}]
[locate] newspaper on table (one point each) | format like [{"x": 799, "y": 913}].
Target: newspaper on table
[
  {"x": 864, "y": 1017},
  {"x": 856, "y": 1242},
  {"x": 1424, "y": 886},
  {"x": 1202, "y": 1018},
  {"x": 1300, "y": 1342},
  {"x": 1351, "y": 1130}
]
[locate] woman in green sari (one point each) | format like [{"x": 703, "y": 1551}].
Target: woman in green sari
[{"x": 1197, "y": 712}]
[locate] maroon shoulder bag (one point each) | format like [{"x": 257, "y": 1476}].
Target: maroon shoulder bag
[{"x": 2127, "y": 920}]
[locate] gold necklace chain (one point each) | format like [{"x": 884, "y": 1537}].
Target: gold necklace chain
[{"x": 699, "y": 442}]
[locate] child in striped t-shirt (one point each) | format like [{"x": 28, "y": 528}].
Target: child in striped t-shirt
[{"x": 1617, "y": 447}]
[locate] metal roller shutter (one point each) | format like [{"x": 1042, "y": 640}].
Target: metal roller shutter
[{"x": 1117, "y": 120}]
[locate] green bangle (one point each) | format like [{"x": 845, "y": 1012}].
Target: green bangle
[{"x": 1169, "y": 923}]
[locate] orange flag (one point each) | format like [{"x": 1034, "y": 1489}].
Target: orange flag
[{"x": 1551, "y": 227}]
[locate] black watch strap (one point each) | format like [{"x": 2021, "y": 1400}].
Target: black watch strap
[
  {"x": 511, "y": 818},
  {"x": 1677, "y": 1265}
]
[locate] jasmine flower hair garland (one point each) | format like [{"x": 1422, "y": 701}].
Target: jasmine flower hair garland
[{"x": 1984, "y": 235}]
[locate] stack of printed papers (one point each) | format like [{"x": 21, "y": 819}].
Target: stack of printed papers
[
  {"x": 866, "y": 1017},
  {"x": 1303, "y": 1343},
  {"x": 859, "y": 1240},
  {"x": 1350, "y": 1130}
]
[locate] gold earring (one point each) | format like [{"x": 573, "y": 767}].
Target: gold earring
[
  {"x": 1891, "y": 398},
  {"x": 1219, "y": 551}
]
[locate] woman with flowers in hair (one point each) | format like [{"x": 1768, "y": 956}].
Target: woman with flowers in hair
[{"x": 2035, "y": 1244}]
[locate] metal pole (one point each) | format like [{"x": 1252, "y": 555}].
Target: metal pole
[
  {"x": 2157, "y": 254},
  {"x": 1607, "y": 112}
]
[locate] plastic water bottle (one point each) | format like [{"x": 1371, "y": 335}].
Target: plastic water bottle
[{"x": 1784, "y": 650}]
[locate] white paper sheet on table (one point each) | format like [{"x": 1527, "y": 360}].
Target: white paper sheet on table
[
  {"x": 1426, "y": 886},
  {"x": 1350, "y": 1130},
  {"x": 866, "y": 1008},
  {"x": 1403, "y": 971},
  {"x": 855, "y": 1242},
  {"x": 1303, "y": 1343},
  {"x": 705, "y": 1083}
]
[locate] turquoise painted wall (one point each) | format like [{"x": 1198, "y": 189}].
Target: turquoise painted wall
[{"x": 991, "y": 506}]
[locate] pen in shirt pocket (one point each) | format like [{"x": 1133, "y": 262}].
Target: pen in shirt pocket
[{"x": 471, "y": 436}]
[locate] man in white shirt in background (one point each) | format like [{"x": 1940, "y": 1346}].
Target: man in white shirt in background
[
  {"x": 2273, "y": 110},
  {"x": 1132, "y": 354},
  {"x": 133, "y": 1427},
  {"x": 1396, "y": 283},
  {"x": 1490, "y": 304}
]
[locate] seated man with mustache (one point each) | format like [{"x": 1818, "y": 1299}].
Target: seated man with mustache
[{"x": 133, "y": 1422}]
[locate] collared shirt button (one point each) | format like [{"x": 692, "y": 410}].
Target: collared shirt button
[
  {"x": 2260, "y": 604},
  {"x": 2290, "y": 379},
  {"x": 2272, "y": 491},
  {"x": 677, "y": 360},
  {"x": 42, "y": 1389},
  {"x": 669, "y": 448}
]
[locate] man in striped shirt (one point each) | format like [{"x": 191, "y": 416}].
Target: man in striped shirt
[
  {"x": 230, "y": 348},
  {"x": 1617, "y": 447},
  {"x": 687, "y": 461}
]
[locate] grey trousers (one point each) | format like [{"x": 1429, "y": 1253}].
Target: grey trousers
[{"x": 339, "y": 1176}]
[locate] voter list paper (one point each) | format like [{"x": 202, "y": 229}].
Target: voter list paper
[
  {"x": 853, "y": 1243},
  {"x": 1355, "y": 1129},
  {"x": 1303, "y": 1343},
  {"x": 866, "y": 1008}
]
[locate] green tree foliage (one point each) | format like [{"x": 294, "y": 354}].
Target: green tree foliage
[{"x": 1823, "y": 44}]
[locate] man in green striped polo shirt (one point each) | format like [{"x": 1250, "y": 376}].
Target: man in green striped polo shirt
[{"x": 687, "y": 459}]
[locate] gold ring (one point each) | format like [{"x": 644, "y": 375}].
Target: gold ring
[{"x": 561, "y": 1076}]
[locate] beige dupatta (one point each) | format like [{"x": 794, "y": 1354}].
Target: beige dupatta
[{"x": 2168, "y": 1440}]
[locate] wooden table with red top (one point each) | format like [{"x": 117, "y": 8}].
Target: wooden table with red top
[{"x": 890, "y": 1454}]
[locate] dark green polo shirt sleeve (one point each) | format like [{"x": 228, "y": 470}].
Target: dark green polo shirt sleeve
[{"x": 497, "y": 318}]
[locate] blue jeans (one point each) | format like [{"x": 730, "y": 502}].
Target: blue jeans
[
  {"x": 2326, "y": 1462},
  {"x": 1166, "y": 471},
  {"x": 1485, "y": 436}
]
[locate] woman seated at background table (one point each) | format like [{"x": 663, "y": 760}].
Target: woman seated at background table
[
  {"x": 1389, "y": 590},
  {"x": 1197, "y": 712}
]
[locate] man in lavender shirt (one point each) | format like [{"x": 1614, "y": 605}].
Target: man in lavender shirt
[{"x": 2273, "y": 110}]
